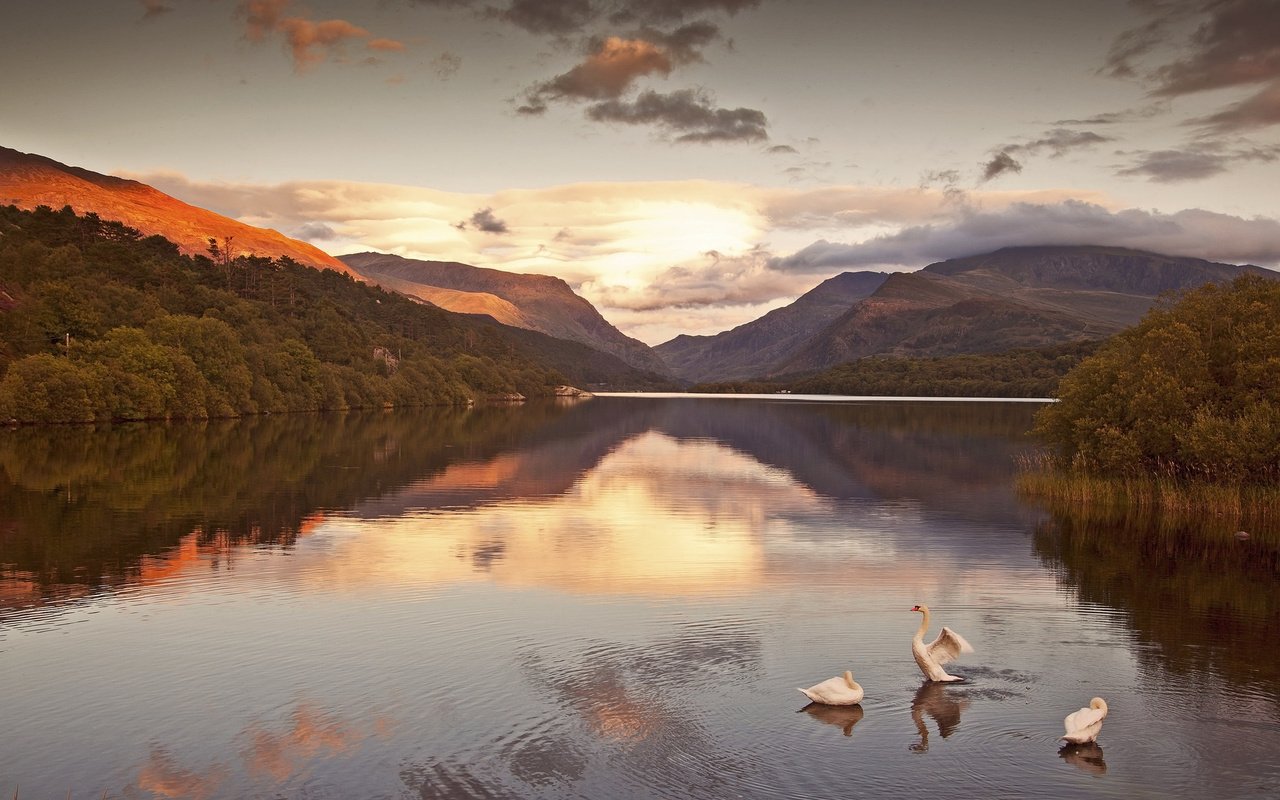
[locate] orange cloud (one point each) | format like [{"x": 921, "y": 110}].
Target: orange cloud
[
  {"x": 607, "y": 73},
  {"x": 311, "y": 42},
  {"x": 389, "y": 45}
]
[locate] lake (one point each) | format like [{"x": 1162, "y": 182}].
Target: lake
[{"x": 611, "y": 598}]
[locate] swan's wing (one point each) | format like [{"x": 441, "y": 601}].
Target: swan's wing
[
  {"x": 948, "y": 646},
  {"x": 1082, "y": 719}
]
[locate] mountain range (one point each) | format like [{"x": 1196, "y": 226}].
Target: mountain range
[
  {"x": 1017, "y": 297},
  {"x": 1013, "y": 298}
]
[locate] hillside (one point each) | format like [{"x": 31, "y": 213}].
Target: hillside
[
  {"x": 28, "y": 181},
  {"x": 100, "y": 323},
  {"x": 752, "y": 349},
  {"x": 538, "y": 302},
  {"x": 1027, "y": 297}
]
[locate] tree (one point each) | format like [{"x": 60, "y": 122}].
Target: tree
[{"x": 1193, "y": 390}]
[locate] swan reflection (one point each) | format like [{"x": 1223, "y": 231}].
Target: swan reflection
[
  {"x": 933, "y": 699},
  {"x": 1087, "y": 757},
  {"x": 843, "y": 717}
]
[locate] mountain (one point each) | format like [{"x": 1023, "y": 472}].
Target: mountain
[
  {"x": 535, "y": 302},
  {"x": 1013, "y": 298},
  {"x": 28, "y": 180},
  {"x": 751, "y": 349}
]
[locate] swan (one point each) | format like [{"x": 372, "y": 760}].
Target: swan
[
  {"x": 946, "y": 648},
  {"x": 837, "y": 691},
  {"x": 1085, "y": 725}
]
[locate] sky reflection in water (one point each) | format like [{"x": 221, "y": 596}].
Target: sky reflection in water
[{"x": 615, "y": 598}]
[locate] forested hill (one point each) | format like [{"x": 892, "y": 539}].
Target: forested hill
[{"x": 98, "y": 322}]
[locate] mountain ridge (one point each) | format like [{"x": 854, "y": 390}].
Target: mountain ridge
[
  {"x": 28, "y": 180},
  {"x": 543, "y": 303}
]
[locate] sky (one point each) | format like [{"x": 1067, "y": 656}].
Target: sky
[{"x": 686, "y": 165}]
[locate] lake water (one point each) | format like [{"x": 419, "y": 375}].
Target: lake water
[{"x": 613, "y": 598}]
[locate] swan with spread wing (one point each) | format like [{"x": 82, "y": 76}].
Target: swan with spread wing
[{"x": 942, "y": 650}]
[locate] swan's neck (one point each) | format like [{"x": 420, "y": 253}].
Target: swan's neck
[
  {"x": 848, "y": 678},
  {"x": 924, "y": 624}
]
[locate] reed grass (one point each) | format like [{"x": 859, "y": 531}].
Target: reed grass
[{"x": 1162, "y": 492}]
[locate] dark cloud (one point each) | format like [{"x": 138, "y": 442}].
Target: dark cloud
[
  {"x": 1193, "y": 232},
  {"x": 1258, "y": 111},
  {"x": 1194, "y": 163},
  {"x": 484, "y": 220},
  {"x": 1057, "y": 142},
  {"x": 1239, "y": 44},
  {"x": 688, "y": 114},
  {"x": 673, "y": 11},
  {"x": 316, "y": 232},
  {"x": 1060, "y": 141},
  {"x": 1232, "y": 43},
  {"x": 999, "y": 164},
  {"x": 684, "y": 44},
  {"x": 782, "y": 149},
  {"x": 559, "y": 17},
  {"x": 154, "y": 8}
]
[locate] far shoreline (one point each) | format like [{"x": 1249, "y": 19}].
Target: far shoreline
[{"x": 826, "y": 398}]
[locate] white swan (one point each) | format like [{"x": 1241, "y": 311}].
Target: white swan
[
  {"x": 837, "y": 691},
  {"x": 946, "y": 648},
  {"x": 1085, "y": 725}
]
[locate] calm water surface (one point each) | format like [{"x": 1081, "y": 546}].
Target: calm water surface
[{"x": 610, "y": 599}]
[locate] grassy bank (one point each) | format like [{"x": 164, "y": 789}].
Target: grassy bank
[{"x": 1234, "y": 506}]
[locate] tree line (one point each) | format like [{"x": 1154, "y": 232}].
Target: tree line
[{"x": 98, "y": 322}]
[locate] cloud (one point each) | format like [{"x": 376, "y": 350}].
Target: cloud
[
  {"x": 484, "y": 220},
  {"x": 154, "y": 8},
  {"x": 1235, "y": 43},
  {"x": 446, "y": 65},
  {"x": 1195, "y": 163},
  {"x": 608, "y": 72},
  {"x": 1258, "y": 111},
  {"x": 685, "y": 44},
  {"x": 545, "y": 16},
  {"x": 696, "y": 256},
  {"x": 389, "y": 45},
  {"x": 1057, "y": 141},
  {"x": 310, "y": 42},
  {"x": 1192, "y": 232},
  {"x": 674, "y": 11},
  {"x": 781, "y": 149},
  {"x": 316, "y": 232},
  {"x": 999, "y": 164},
  {"x": 688, "y": 114}
]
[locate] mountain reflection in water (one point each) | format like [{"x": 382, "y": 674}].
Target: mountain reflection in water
[{"x": 609, "y": 598}]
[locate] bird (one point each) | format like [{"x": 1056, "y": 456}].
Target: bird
[
  {"x": 946, "y": 648},
  {"x": 1085, "y": 725},
  {"x": 837, "y": 691}
]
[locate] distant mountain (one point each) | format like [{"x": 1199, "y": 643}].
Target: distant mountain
[
  {"x": 1013, "y": 298},
  {"x": 535, "y": 302},
  {"x": 28, "y": 180},
  {"x": 752, "y": 349}
]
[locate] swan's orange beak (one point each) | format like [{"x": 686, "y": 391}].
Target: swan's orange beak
[{"x": 915, "y": 608}]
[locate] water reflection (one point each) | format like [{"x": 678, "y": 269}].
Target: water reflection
[
  {"x": 83, "y": 511},
  {"x": 843, "y": 717},
  {"x": 942, "y": 706},
  {"x": 1085, "y": 757},
  {"x": 1205, "y": 601}
]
